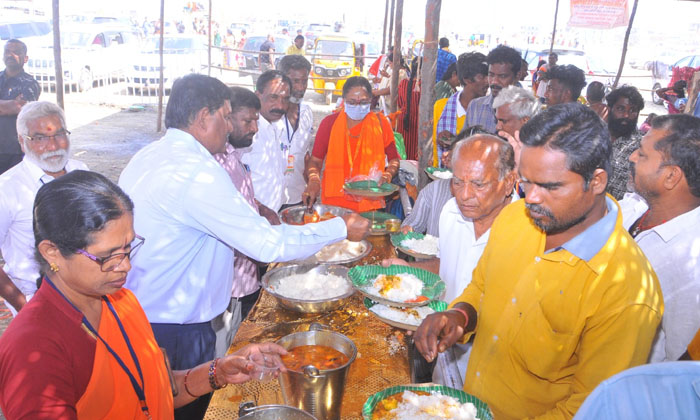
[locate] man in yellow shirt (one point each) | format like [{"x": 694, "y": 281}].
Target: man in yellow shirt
[
  {"x": 297, "y": 48},
  {"x": 562, "y": 297}
]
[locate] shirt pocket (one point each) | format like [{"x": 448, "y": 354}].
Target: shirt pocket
[{"x": 544, "y": 350}]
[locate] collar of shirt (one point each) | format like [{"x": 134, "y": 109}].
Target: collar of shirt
[
  {"x": 39, "y": 176},
  {"x": 677, "y": 225},
  {"x": 589, "y": 243}
]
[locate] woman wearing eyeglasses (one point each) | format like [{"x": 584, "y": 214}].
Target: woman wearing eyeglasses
[
  {"x": 82, "y": 347},
  {"x": 353, "y": 142}
]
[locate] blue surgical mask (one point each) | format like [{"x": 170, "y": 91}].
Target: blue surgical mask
[{"x": 357, "y": 112}]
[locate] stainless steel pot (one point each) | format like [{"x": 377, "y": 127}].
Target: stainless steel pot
[
  {"x": 295, "y": 215},
  {"x": 272, "y": 278},
  {"x": 319, "y": 392},
  {"x": 248, "y": 411}
]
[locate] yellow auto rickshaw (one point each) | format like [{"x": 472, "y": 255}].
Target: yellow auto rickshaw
[{"x": 333, "y": 60}]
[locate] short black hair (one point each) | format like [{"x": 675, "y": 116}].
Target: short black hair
[
  {"x": 629, "y": 92},
  {"x": 23, "y": 46},
  {"x": 71, "y": 209},
  {"x": 355, "y": 81},
  {"x": 570, "y": 76},
  {"x": 451, "y": 69},
  {"x": 269, "y": 76},
  {"x": 294, "y": 62},
  {"x": 470, "y": 64},
  {"x": 243, "y": 98},
  {"x": 444, "y": 42},
  {"x": 682, "y": 146},
  {"x": 679, "y": 88},
  {"x": 189, "y": 95},
  {"x": 575, "y": 130},
  {"x": 595, "y": 92},
  {"x": 298, "y": 37},
  {"x": 503, "y": 54}
]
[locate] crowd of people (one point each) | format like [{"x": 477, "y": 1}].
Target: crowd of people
[{"x": 568, "y": 241}]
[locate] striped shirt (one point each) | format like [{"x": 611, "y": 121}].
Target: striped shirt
[
  {"x": 425, "y": 217},
  {"x": 480, "y": 112}
]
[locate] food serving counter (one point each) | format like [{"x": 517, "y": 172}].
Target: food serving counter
[{"x": 382, "y": 359}]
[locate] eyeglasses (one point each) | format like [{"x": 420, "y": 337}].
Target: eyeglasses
[
  {"x": 353, "y": 103},
  {"x": 113, "y": 261},
  {"x": 59, "y": 136}
]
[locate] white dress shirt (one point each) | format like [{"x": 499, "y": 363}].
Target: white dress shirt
[
  {"x": 299, "y": 145},
  {"x": 673, "y": 249},
  {"x": 268, "y": 162},
  {"x": 18, "y": 187},
  {"x": 192, "y": 217}
]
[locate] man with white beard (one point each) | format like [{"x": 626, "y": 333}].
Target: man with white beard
[{"x": 44, "y": 139}]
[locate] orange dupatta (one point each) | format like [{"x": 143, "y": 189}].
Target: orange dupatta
[
  {"x": 348, "y": 157},
  {"x": 109, "y": 394}
]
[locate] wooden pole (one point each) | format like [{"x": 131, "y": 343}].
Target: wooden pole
[
  {"x": 386, "y": 17},
  {"x": 396, "y": 64},
  {"x": 554, "y": 31},
  {"x": 209, "y": 49},
  {"x": 391, "y": 21},
  {"x": 427, "y": 94},
  {"x": 624, "y": 45},
  {"x": 160, "y": 82},
  {"x": 58, "y": 65}
]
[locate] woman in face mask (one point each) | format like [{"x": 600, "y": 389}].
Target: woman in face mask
[{"x": 353, "y": 142}]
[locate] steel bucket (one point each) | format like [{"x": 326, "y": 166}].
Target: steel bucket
[
  {"x": 248, "y": 411},
  {"x": 317, "y": 392}
]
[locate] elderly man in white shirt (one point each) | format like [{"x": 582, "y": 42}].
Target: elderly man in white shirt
[
  {"x": 267, "y": 157},
  {"x": 192, "y": 218},
  {"x": 44, "y": 139},
  {"x": 482, "y": 183},
  {"x": 298, "y": 126},
  {"x": 663, "y": 216}
]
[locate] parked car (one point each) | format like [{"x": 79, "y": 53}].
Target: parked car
[
  {"x": 595, "y": 70},
  {"x": 253, "y": 43},
  {"x": 313, "y": 31},
  {"x": 182, "y": 54},
  {"x": 89, "y": 53},
  {"x": 662, "y": 72}
]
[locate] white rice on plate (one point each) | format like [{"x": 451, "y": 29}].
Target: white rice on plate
[
  {"x": 432, "y": 407},
  {"x": 410, "y": 316},
  {"x": 312, "y": 286},
  {"x": 428, "y": 245},
  {"x": 397, "y": 288},
  {"x": 340, "y": 251}
]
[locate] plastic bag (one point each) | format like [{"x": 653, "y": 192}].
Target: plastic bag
[{"x": 400, "y": 145}]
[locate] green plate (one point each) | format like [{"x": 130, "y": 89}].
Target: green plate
[
  {"x": 436, "y": 305},
  {"x": 397, "y": 238},
  {"x": 370, "y": 188},
  {"x": 361, "y": 275},
  {"x": 482, "y": 410},
  {"x": 378, "y": 218},
  {"x": 430, "y": 170}
]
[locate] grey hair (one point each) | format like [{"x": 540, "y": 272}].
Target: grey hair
[
  {"x": 523, "y": 103},
  {"x": 506, "y": 155},
  {"x": 35, "y": 110}
]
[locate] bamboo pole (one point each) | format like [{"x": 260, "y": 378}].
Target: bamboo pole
[
  {"x": 209, "y": 47},
  {"x": 58, "y": 65},
  {"x": 396, "y": 64},
  {"x": 386, "y": 17},
  {"x": 391, "y": 21},
  {"x": 554, "y": 31},
  {"x": 427, "y": 94},
  {"x": 160, "y": 82},
  {"x": 624, "y": 45}
]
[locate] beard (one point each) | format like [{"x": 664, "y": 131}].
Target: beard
[
  {"x": 47, "y": 161},
  {"x": 621, "y": 127},
  {"x": 554, "y": 225},
  {"x": 241, "y": 142}
]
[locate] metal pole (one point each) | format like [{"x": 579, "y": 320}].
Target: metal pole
[
  {"x": 386, "y": 17},
  {"x": 427, "y": 94},
  {"x": 160, "y": 53},
  {"x": 396, "y": 64},
  {"x": 58, "y": 66},
  {"x": 391, "y": 21},
  {"x": 554, "y": 31},
  {"x": 209, "y": 49},
  {"x": 624, "y": 45}
]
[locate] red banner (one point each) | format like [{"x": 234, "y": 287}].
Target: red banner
[{"x": 599, "y": 14}]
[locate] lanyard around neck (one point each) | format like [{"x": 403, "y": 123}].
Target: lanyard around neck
[{"x": 138, "y": 388}]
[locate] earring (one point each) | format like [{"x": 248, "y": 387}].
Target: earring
[{"x": 53, "y": 267}]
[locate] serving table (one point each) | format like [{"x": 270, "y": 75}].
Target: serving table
[{"x": 382, "y": 358}]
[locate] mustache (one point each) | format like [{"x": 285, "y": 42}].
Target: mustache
[
  {"x": 496, "y": 87},
  {"x": 278, "y": 111},
  {"x": 539, "y": 209},
  {"x": 49, "y": 155}
]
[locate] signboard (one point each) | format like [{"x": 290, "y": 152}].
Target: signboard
[{"x": 599, "y": 14}]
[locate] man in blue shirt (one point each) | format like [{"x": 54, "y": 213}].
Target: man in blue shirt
[{"x": 444, "y": 58}]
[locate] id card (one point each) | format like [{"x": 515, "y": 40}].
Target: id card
[{"x": 290, "y": 164}]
